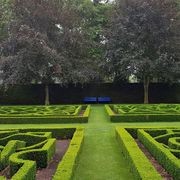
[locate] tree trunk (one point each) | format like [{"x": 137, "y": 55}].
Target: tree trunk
[
  {"x": 47, "y": 95},
  {"x": 146, "y": 90}
]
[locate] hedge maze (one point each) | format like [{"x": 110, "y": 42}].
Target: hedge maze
[
  {"x": 44, "y": 114},
  {"x": 26, "y": 150},
  {"x": 143, "y": 113},
  {"x": 163, "y": 144}
]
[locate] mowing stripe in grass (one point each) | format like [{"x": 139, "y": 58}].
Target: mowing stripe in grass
[{"x": 100, "y": 158}]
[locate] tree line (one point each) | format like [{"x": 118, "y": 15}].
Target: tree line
[{"x": 80, "y": 41}]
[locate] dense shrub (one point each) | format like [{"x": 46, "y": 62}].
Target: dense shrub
[
  {"x": 24, "y": 162},
  {"x": 143, "y": 113},
  {"x": 161, "y": 153},
  {"x": 66, "y": 167},
  {"x": 56, "y": 116},
  {"x": 139, "y": 164}
]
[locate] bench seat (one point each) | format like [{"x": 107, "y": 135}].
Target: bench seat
[{"x": 90, "y": 100}]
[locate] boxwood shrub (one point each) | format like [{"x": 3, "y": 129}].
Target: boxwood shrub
[
  {"x": 48, "y": 119},
  {"x": 27, "y": 161},
  {"x": 162, "y": 154},
  {"x": 23, "y": 164},
  {"x": 8, "y": 150},
  {"x": 116, "y": 115},
  {"x": 139, "y": 164},
  {"x": 67, "y": 165}
]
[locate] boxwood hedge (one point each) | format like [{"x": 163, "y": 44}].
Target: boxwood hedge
[
  {"x": 163, "y": 154},
  {"x": 45, "y": 118},
  {"x": 143, "y": 113},
  {"x": 139, "y": 164},
  {"x": 23, "y": 164}
]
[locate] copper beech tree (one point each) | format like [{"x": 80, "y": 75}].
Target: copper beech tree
[
  {"x": 46, "y": 44},
  {"x": 143, "y": 40}
]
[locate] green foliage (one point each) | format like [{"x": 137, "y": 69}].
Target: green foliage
[
  {"x": 47, "y": 43},
  {"x": 163, "y": 153},
  {"x": 28, "y": 138},
  {"x": 147, "y": 109},
  {"x": 16, "y": 141},
  {"x": 96, "y": 18},
  {"x": 66, "y": 167},
  {"x": 143, "y": 113},
  {"x": 23, "y": 164},
  {"x": 5, "y": 16},
  {"x": 57, "y": 132},
  {"x": 7, "y": 133},
  {"x": 8, "y": 150},
  {"x": 141, "y": 39},
  {"x": 44, "y": 114},
  {"x": 139, "y": 164},
  {"x": 36, "y": 111},
  {"x": 27, "y": 171}
]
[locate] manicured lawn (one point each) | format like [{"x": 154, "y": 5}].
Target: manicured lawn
[{"x": 100, "y": 157}]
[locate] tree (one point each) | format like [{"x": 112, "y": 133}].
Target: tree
[
  {"x": 95, "y": 17},
  {"x": 46, "y": 44},
  {"x": 5, "y": 14},
  {"x": 141, "y": 40}
]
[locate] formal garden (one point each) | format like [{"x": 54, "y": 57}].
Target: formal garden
[
  {"x": 89, "y": 90},
  {"x": 92, "y": 149}
]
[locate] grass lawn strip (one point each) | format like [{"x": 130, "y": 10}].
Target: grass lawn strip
[{"x": 100, "y": 157}]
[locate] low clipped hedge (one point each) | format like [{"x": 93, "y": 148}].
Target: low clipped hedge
[
  {"x": 5, "y": 133},
  {"x": 140, "y": 166},
  {"x": 39, "y": 111},
  {"x": 30, "y": 139},
  {"x": 67, "y": 165},
  {"x": 8, "y": 150},
  {"x": 116, "y": 116},
  {"x": 77, "y": 118},
  {"x": 23, "y": 164},
  {"x": 57, "y": 132},
  {"x": 162, "y": 154}
]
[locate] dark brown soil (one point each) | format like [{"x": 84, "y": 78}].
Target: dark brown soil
[
  {"x": 81, "y": 112},
  {"x": 48, "y": 172},
  {"x": 5, "y": 172},
  {"x": 154, "y": 162}
]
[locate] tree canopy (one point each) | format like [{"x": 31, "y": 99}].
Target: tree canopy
[
  {"x": 78, "y": 41},
  {"x": 141, "y": 40},
  {"x": 46, "y": 43}
]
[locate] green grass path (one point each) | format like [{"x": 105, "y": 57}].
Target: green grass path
[{"x": 100, "y": 158}]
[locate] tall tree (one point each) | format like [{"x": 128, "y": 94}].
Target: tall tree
[
  {"x": 5, "y": 14},
  {"x": 141, "y": 40},
  {"x": 46, "y": 44},
  {"x": 95, "y": 18}
]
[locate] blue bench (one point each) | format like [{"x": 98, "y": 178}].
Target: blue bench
[
  {"x": 104, "y": 100},
  {"x": 90, "y": 100}
]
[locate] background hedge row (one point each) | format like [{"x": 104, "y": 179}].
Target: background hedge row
[{"x": 71, "y": 94}]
